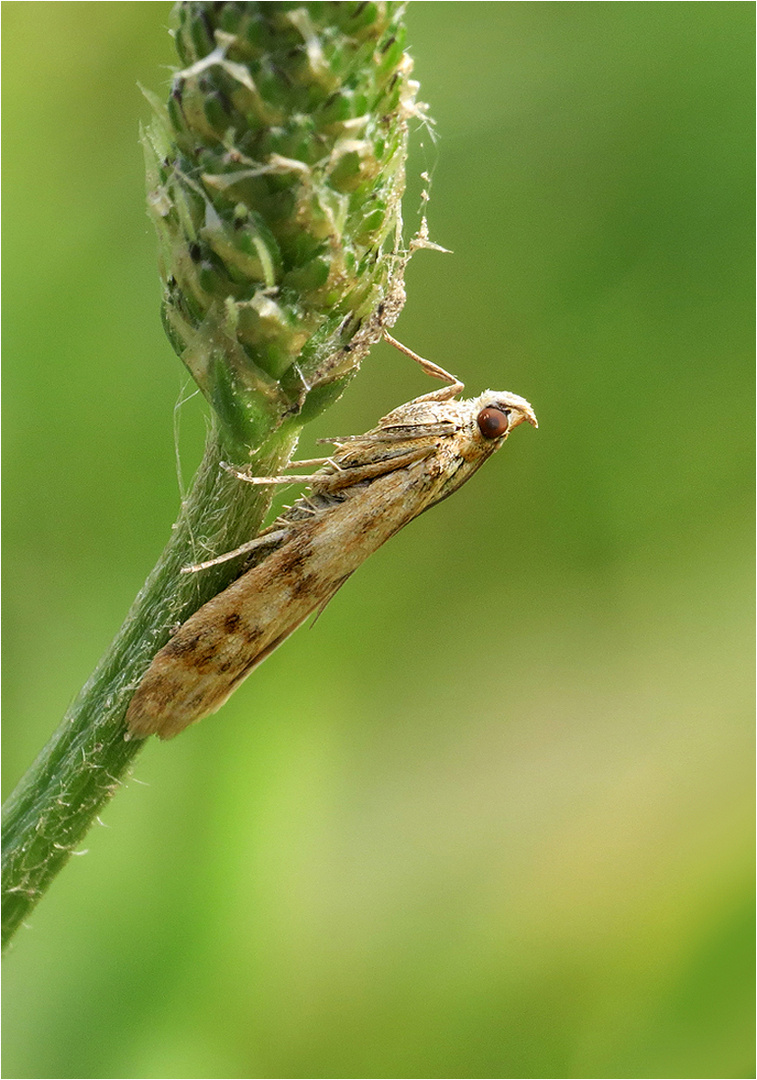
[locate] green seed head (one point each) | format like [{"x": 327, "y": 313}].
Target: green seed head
[{"x": 275, "y": 174}]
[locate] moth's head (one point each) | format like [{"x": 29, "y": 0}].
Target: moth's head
[{"x": 498, "y": 412}]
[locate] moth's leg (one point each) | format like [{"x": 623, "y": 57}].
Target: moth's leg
[
  {"x": 266, "y": 479},
  {"x": 272, "y": 539},
  {"x": 307, "y": 463},
  {"x": 327, "y": 483},
  {"x": 306, "y": 504},
  {"x": 431, "y": 369}
]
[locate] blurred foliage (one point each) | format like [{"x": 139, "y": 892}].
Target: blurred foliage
[{"x": 492, "y": 816}]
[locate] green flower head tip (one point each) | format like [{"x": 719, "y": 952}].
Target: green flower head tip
[{"x": 275, "y": 174}]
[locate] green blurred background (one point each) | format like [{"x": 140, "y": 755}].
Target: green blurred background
[{"x": 491, "y": 817}]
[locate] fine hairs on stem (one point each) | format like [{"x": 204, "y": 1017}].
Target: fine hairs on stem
[{"x": 270, "y": 313}]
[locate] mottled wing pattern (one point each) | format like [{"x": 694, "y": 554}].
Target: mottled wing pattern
[{"x": 370, "y": 487}]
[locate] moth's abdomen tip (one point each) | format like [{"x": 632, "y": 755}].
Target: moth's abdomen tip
[
  {"x": 139, "y": 725},
  {"x": 144, "y": 720},
  {"x": 146, "y": 716}
]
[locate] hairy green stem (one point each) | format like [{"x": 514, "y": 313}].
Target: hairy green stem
[
  {"x": 275, "y": 173},
  {"x": 83, "y": 763}
]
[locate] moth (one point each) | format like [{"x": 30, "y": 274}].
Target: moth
[{"x": 370, "y": 487}]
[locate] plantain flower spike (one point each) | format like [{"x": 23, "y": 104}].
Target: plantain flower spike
[{"x": 275, "y": 174}]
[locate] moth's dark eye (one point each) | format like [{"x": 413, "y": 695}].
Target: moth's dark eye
[{"x": 492, "y": 423}]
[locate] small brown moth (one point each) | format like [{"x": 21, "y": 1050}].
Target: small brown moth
[{"x": 364, "y": 493}]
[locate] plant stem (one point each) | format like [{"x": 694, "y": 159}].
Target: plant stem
[
  {"x": 84, "y": 762},
  {"x": 275, "y": 176}
]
